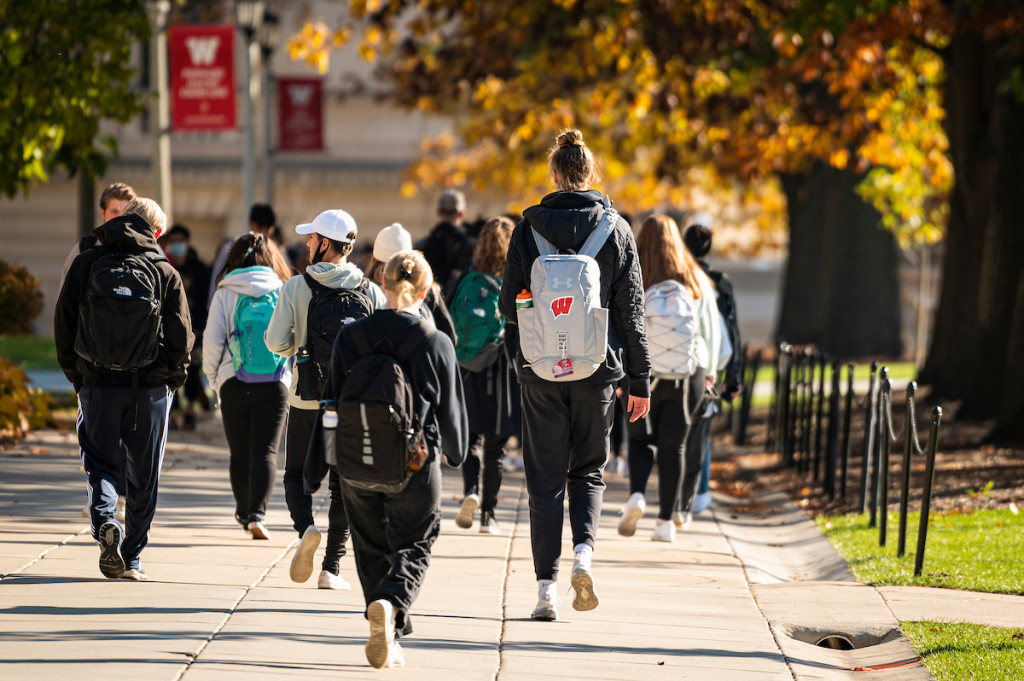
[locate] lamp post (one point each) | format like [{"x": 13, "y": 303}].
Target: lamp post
[
  {"x": 160, "y": 120},
  {"x": 269, "y": 37},
  {"x": 249, "y": 15}
]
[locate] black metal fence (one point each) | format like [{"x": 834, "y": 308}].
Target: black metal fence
[{"x": 809, "y": 426}]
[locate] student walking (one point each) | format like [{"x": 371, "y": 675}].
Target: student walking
[
  {"x": 310, "y": 310},
  {"x": 252, "y": 382},
  {"x": 683, "y": 338},
  {"x": 492, "y": 391},
  {"x": 123, "y": 337},
  {"x": 578, "y": 304},
  {"x": 394, "y": 521}
]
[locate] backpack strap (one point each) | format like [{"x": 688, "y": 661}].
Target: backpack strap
[
  {"x": 314, "y": 285},
  {"x": 604, "y": 228},
  {"x": 365, "y": 344},
  {"x": 594, "y": 242}
]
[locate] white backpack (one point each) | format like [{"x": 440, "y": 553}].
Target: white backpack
[
  {"x": 564, "y": 336},
  {"x": 673, "y": 329}
]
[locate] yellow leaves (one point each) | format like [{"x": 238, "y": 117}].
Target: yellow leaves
[
  {"x": 839, "y": 158},
  {"x": 488, "y": 92},
  {"x": 709, "y": 81},
  {"x": 409, "y": 190},
  {"x": 313, "y": 42}
]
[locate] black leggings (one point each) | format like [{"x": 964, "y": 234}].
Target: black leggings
[
  {"x": 254, "y": 418},
  {"x": 668, "y": 433}
]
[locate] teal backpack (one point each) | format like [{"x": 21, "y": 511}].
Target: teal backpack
[
  {"x": 478, "y": 324},
  {"x": 253, "y": 362}
]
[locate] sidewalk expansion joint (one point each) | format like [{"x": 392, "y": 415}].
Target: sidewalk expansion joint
[
  {"x": 504, "y": 581},
  {"x": 192, "y": 657},
  {"x": 63, "y": 542}
]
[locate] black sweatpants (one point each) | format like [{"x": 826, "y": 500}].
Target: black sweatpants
[
  {"x": 300, "y": 505},
  {"x": 392, "y": 535},
  {"x": 122, "y": 433},
  {"x": 490, "y": 448},
  {"x": 667, "y": 423},
  {"x": 565, "y": 444},
  {"x": 254, "y": 417}
]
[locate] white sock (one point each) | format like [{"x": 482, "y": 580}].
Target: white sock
[
  {"x": 582, "y": 554},
  {"x": 547, "y": 589}
]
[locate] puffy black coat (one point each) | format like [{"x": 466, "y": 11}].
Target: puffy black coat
[{"x": 566, "y": 219}]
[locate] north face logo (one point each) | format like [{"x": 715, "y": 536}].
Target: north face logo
[
  {"x": 123, "y": 291},
  {"x": 561, "y": 306}
]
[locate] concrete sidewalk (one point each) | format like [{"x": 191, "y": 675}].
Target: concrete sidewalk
[{"x": 221, "y": 606}]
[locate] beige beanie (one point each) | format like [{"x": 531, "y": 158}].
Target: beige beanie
[{"x": 391, "y": 240}]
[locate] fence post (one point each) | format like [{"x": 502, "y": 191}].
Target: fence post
[
  {"x": 792, "y": 415},
  {"x": 926, "y": 497},
  {"x": 908, "y": 443},
  {"x": 869, "y": 443},
  {"x": 772, "y": 440},
  {"x": 884, "y": 425},
  {"x": 847, "y": 414},
  {"x": 822, "y": 363},
  {"x": 748, "y": 397},
  {"x": 832, "y": 437},
  {"x": 805, "y": 434}
]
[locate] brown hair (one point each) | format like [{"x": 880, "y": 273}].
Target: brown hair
[
  {"x": 374, "y": 270},
  {"x": 572, "y": 162},
  {"x": 407, "y": 275},
  {"x": 255, "y": 250},
  {"x": 663, "y": 256},
  {"x": 492, "y": 248},
  {"x": 116, "y": 190}
]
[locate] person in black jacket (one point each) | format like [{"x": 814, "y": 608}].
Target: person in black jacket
[
  {"x": 122, "y": 428},
  {"x": 447, "y": 248},
  {"x": 566, "y": 425},
  {"x": 392, "y": 533}
]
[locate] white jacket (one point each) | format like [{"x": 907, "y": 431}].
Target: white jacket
[
  {"x": 220, "y": 324},
  {"x": 287, "y": 330}
]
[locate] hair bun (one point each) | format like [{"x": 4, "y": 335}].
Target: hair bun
[{"x": 570, "y": 138}]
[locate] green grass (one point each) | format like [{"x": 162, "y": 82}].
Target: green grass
[
  {"x": 977, "y": 551},
  {"x": 31, "y": 352},
  {"x": 968, "y": 651},
  {"x": 861, "y": 372}
]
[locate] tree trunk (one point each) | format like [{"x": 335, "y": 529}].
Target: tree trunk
[
  {"x": 841, "y": 289},
  {"x": 86, "y": 202},
  {"x": 977, "y": 352}
]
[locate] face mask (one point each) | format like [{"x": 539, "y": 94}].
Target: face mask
[
  {"x": 318, "y": 256},
  {"x": 177, "y": 250}
]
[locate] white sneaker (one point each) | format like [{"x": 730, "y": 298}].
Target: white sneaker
[
  {"x": 701, "y": 502},
  {"x": 329, "y": 580},
  {"x": 583, "y": 583},
  {"x": 488, "y": 525},
  {"x": 632, "y": 511},
  {"x": 382, "y": 650},
  {"x": 258, "y": 530},
  {"x": 119, "y": 509},
  {"x": 469, "y": 505},
  {"x": 682, "y": 520},
  {"x": 665, "y": 532},
  {"x": 301, "y": 568},
  {"x": 547, "y": 601}
]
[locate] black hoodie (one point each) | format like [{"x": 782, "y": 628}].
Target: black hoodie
[
  {"x": 125, "y": 234},
  {"x": 566, "y": 219}
]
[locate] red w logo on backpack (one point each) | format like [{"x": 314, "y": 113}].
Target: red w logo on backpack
[{"x": 561, "y": 305}]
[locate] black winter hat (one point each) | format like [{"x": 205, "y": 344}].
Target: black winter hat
[{"x": 698, "y": 240}]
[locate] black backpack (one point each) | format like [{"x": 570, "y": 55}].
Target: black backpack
[
  {"x": 329, "y": 310},
  {"x": 119, "y": 322},
  {"x": 379, "y": 440}
]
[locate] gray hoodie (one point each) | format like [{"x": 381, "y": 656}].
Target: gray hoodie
[
  {"x": 248, "y": 281},
  {"x": 287, "y": 330}
]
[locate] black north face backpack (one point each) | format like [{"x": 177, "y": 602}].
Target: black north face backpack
[
  {"x": 379, "y": 440},
  {"x": 119, "y": 322},
  {"x": 329, "y": 310}
]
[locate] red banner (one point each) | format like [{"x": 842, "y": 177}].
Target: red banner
[
  {"x": 202, "y": 77},
  {"x": 300, "y": 117}
]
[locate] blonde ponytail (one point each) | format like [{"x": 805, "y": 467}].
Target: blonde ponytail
[{"x": 407, "y": 275}]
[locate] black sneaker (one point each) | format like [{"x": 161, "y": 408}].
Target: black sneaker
[
  {"x": 488, "y": 525},
  {"x": 111, "y": 563}
]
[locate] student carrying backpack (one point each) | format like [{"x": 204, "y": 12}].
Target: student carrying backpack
[
  {"x": 492, "y": 392},
  {"x": 311, "y": 310},
  {"x": 252, "y": 381},
  {"x": 395, "y": 517},
  {"x": 581, "y": 330}
]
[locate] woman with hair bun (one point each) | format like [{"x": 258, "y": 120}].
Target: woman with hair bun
[
  {"x": 392, "y": 533},
  {"x": 566, "y": 423}
]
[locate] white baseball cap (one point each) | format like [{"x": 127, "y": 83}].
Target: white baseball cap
[
  {"x": 331, "y": 224},
  {"x": 391, "y": 240}
]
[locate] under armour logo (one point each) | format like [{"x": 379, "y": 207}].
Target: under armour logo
[
  {"x": 560, "y": 284},
  {"x": 561, "y": 306}
]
